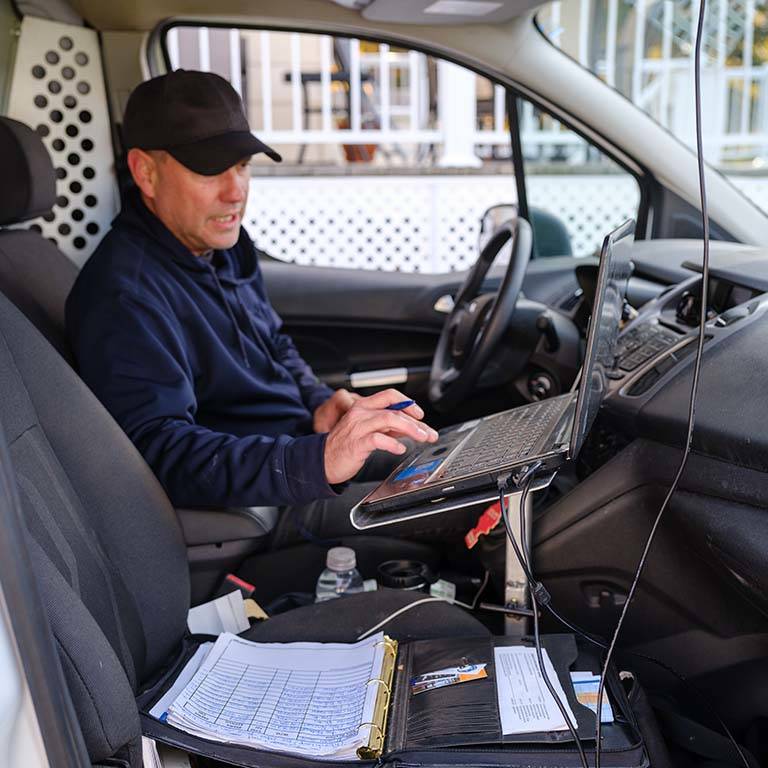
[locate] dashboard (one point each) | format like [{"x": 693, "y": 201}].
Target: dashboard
[{"x": 650, "y": 389}]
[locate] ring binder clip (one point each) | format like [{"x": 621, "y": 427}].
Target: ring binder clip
[
  {"x": 381, "y": 708},
  {"x": 373, "y": 725},
  {"x": 378, "y": 680}
]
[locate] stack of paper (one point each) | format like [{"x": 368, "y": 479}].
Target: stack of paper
[
  {"x": 525, "y": 703},
  {"x": 304, "y": 698}
]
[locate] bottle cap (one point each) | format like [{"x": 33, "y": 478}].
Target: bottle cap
[{"x": 341, "y": 559}]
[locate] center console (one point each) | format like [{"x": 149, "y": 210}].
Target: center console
[{"x": 659, "y": 344}]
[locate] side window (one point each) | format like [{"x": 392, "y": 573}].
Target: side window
[
  {"x": 390, "y": 156},
  {"x": 575, "y": 193}
]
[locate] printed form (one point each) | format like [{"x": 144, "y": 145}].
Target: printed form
[
  {"x": 525, "y": 703},
  {"x": 305, "y": 698}
]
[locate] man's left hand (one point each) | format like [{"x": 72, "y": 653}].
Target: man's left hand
[{"x": 328, "y": 414}]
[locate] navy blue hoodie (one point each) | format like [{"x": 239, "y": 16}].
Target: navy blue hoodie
[{"x": 187, "y": 355}]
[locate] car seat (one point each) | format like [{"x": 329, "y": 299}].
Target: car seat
[
  {"x": 109, "y": 554},
  {"x": 34, "y": 274}
]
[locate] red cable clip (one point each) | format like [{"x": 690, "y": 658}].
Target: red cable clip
[{"x": 487, "y": 521}]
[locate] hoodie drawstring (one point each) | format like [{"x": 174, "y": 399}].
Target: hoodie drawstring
[
  {"x": 256, "y": 335},
  {"x": 232, "y": 318}
]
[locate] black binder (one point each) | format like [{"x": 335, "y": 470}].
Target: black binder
[{"x": 454, "y": 725}]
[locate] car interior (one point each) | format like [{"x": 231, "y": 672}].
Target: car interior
[{"x": 109, "y": 568}]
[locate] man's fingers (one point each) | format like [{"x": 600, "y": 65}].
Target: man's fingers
[
  {"x": 389, "y": 397},
  {"x": 414, "y": 411},
  {"x": 346, "y": 399},
  {"x": 386, "y": 443},
  {"x": 399, "y": 424}
]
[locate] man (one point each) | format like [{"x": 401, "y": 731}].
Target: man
[{"x": 173, "y": 331}]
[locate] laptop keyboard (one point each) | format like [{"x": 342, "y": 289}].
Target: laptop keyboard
[{"x": 506, "y": 438}]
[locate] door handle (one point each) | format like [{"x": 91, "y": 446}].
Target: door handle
[
  {"x": 444, "y": 304},
  {"x": 386, "y": 377}
]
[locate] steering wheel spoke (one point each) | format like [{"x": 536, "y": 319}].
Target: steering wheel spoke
[
  {"x": 477, "y": 323},
  {"x": 449, "y": 376}
]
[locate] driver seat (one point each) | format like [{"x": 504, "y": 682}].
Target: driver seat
[{"x": 37, "y": 277}]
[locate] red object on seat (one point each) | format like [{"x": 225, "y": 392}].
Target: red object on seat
[{"x": 485, "y": 524}]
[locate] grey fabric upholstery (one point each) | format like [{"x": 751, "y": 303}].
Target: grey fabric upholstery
[
  {"x": 34, "y": 274},
  {"x": 108, "y": 549},
  {"x": 37, "y": 277},
  {"x": 29, "y": 184},
  {"x": 107, "y": 543}
]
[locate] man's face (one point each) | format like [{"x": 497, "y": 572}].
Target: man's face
[{"x": 203, "y": 212}]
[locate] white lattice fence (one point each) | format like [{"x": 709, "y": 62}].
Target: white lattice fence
[{"x": 418, "y": 224}]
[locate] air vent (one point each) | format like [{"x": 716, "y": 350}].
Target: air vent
[{"x": 570, "y": 302}]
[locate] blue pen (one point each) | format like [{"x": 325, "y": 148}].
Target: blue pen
[{"x": 402, "y": 405}]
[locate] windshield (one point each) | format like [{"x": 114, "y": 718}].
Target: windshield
[{"x": 645, "y": 51}]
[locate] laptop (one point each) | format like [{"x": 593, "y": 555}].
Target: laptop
[{"x": 471, "y": 456}]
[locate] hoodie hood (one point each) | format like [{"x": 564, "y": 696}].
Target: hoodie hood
[
  {"x": 227, "y": 271},
  {"x": 235, "y": 266}
]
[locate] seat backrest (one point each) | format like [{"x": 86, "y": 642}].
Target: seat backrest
[
  {"x": 104, "y": 538},
  {"x": 34, "y": 274}
]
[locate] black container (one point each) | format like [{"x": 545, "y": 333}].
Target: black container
[{"x": 412, "y": 575}]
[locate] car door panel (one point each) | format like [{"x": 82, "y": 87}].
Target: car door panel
[{"x": 346, "y": 322}]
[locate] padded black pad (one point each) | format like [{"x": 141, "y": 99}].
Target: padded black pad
[
  {"x": 29, "y": 183},
  {"x": 37, "y": 277},
  {"x": 343, "y": 619}
]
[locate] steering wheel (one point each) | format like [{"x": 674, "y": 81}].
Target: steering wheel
[{"x": 477, "y": 324}]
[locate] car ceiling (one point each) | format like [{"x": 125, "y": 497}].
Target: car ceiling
[{"x": 144, "y": 14}]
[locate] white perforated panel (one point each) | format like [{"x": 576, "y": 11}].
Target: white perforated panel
[
  {"x": 58, "y": 90},
  {"x": 418, "y": 224}
]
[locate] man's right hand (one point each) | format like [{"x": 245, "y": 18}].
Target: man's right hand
[{"x": 368, "y": 426}]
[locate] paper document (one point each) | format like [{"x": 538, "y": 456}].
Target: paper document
[
  {"x": 225, "y": 614},
  {"x": 305, "y": 698},
  {"x": 525, "y": 703},
  {"x": 162, "y": 756},
  {"x": 160, "y": 710},
  {"x": 149, "y": 753},
  {"x": 586, "y": 687}
]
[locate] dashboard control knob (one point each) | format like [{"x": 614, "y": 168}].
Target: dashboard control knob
[
  {"x": 688, "y": 309},
  {"x": 540, "y": 386},
  {"x": 546, "y": 327}
]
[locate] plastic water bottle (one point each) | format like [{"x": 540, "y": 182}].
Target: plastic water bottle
[{"x": 340, "y": 576}]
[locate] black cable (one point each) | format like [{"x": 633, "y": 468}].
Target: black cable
[
  {"x": 538, "y": 590},
  {"x": 535, "y": 588},
  {"x": 694, "y": 384}
]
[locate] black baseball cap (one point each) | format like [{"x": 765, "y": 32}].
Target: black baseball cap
[{"x": 197, "y": 117}]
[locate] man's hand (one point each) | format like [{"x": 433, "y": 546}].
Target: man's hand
[
  {"x": 368, "y": 426},
  {"x": 327, "y": 415}
]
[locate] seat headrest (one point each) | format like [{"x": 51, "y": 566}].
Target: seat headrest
[{"x": 29, "y": 181}]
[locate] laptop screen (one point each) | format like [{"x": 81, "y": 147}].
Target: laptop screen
[{"x": 612, "y": 278}]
